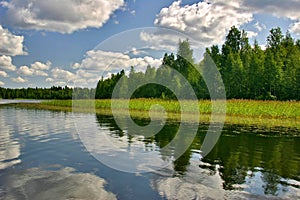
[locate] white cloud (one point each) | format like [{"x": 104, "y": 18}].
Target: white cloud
[
  {"x": 49, "y": 80},
  {"x": 136, "y": 51},
  {"x": 41, "y": 66},
  {"x": 61, "y": 74},
  {"x": 152, "y": 61},
  {"x": 3, "y": 74},
  {"x": 61, "y": 77},
  {"x": 6, "y": 63},
  {"x": 289, "y": 9},
  {"x": 101, "y": 61},
  {"x": 206, "y": 21},
  {"x": 10, "y": 44},
  {"x": 1, "y": 83},
  {"x": 24, "y": 70},
  {"x": 61, "y": 16},
  {"x": 40, "y": 73},
  {"x": 81, "y": 77},
  {"x": 85, "y": 74},
  {"x": 19, "y": 80},
  {"x": 36, "y": 69},
  {"x": 61, "y": 83},
  {"x": 251, "y": 34},
  {"x": 75, "y": 65},
  {"x": 162, "y": 39}
]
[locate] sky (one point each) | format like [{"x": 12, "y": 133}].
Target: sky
[{"x": 75, "y": 42}]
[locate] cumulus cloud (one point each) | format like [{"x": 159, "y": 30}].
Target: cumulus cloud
[
  {"x": 85, "y": 74},
  {"x": 19, "y": 79},
  {"x": 3, "y": 74},
  {"x": 162, "y": 39},
  {"x": 101, "y": 61},
  {"x": 24, "y": 70},
  {"x": 278, "y": 8},
  {"x": 251, "y": 34},
  {"x": 76, "y": 65},
  {"x": 81, "y": 77},
  {"x": 40, "y": 73},
  {"x": 206, "y": 21},
  {"x": 1, "y": 83},
  {"x": 41, "y": 66},
  {"x": 60, "y": 16},
  {"x": 49, "y": 80},
  {"x": 136, "y": 51},
  {"x": 10, "y": 44},
  {"x": 61, "y": 74},
  {"x": 6, "y": 63},
  {"x": 35, "y": 69}
]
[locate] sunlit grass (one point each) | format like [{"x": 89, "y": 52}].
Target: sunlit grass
[
  {"x": 247, "y": 112},
  {"x": 250, "y": 108}
]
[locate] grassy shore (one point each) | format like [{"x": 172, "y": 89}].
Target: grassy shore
[{"x": 244, "y": 112}]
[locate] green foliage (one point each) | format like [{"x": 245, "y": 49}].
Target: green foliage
[
  {"x": 275, "y": 38},
  {"x": 185, "y": 51},
  {"x": 105, "y": 87},
  {"x": 55, "y": 92},
  {"x": 37, "y": 93},
  {"x": 247, "y": 72},
  {"x": 242, "y": 108}
]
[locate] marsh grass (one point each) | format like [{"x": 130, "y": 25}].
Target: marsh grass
[
  {"x": 251, "y": 108},
  {"x": 249, "y": 112}
]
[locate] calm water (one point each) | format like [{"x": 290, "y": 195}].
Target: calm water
[{"x": 42, "y": 157}]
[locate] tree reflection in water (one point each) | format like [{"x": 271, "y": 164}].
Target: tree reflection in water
[{"x": 248, "y": 158}]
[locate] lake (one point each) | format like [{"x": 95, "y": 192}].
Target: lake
[{"x": 48, "y": 155}]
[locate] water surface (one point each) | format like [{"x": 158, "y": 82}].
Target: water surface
[{"x": 42, "y": 157}]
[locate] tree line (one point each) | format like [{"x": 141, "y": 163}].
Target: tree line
[
  {"x": 248, "y": 72},
  {"x": 55, "y": 92}
]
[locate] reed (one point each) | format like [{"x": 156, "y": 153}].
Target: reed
[
  {"x": 243, "y": 112},
  {"x": 249, "y": 108}
]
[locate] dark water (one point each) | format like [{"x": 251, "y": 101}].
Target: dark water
[{"x": 42, "y": 157}]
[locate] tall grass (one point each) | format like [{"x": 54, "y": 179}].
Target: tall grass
[
  {"x": 242, "y": 112},
  {"x": 249, "y": 108}
]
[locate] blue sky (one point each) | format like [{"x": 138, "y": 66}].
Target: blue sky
[{"x": 45, "y": 43}]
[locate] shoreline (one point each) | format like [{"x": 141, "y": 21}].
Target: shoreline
[{"x": 266, "y": 120}]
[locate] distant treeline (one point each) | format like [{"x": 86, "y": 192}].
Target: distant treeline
[
  {"x": 55, "y": 92},
  {"x": 248, "y": 72}
]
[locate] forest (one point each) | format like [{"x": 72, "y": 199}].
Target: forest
[
  {"x": 247, "y": 71},
  {"x": 55, "y": 92}
]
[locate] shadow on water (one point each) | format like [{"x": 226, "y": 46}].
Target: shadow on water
[{"x": 256, "y": 160}]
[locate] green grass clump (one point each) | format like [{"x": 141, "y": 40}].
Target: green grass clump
[
  {"x": 243, "y": 112},
  {"x": 278, "y": 109},
  {"x": 250, "y": 108}
]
